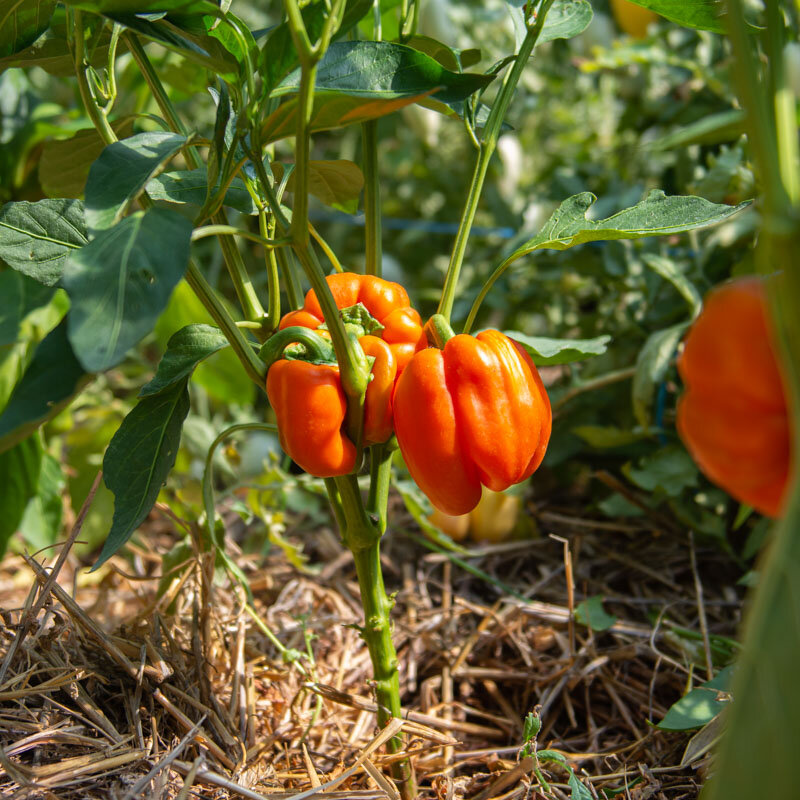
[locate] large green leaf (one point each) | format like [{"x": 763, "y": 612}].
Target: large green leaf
[
  {"x": 19, "y": 476},
  {"x": 657, "y": 215},
  {"x": 704, "y": 15},
  {"x": 51, "y": 380},
  {"x": 651, "y": 366},
  {"x": 545, "y": 351},
  {"x": 121, "y": 281},
  {"x": 37, "y": 238},
  {"x": 64, "y": 165},
  {"x": 121, "y": 173},
  {"x": 139, "y": 459},
  {"x": 359, "y": 81},
  {"x": 22, "y": 22},
  {"x": 185, "y": 350},
  {"x": 191, "y": 186}
]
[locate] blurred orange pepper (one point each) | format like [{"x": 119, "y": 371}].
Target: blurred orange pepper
[{"x": 733, "y": 415}]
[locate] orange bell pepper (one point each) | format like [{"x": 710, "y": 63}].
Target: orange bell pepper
[
  {"x": 310, "y": 407},
  {"x": 474, "y": 413},
  {"x": 733, "y": 415},
  {"x": 392, "y": 348}
]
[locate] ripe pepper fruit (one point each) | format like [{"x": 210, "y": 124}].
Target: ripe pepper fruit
[
  {"x": 392, "y": 347},
  {"x": 473, "y": 413},
  {"x": 310, "y": 407},
  {"x": 733, "y": 415}
]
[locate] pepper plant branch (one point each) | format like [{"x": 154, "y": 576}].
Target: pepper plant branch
[
  {"x": 473, "y": 312},
  {"x": 273, "y": 282},
  {"x": 194, "y": 277},
  {"x": 243, "y": 285},
  {"x": 231, "y": 230},
  {"x": 326, "y": 248},
  {"x": 372, "y": 199},
  {"x": 491, "y": 134},
  {"x": 97, "y": 115},
  {"x": 380, "y": 478}
]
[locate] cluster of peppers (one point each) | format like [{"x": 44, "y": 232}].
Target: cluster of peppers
[{"x": 467, "y": 411}]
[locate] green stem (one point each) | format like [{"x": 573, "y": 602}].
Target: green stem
[
  {"x": 362, "y": 536},
  {"x": 473, "y": 312},
  {"x": 491, "y": 134},
  {"x": 372, "y": 199},
  {"x": 231, "y": 230},
  {"x": 380, "y": 478},
  {"x": 318, "y": 348},
  {"x": 305, "y": 106},
  {"x": 326, "y": 248},
  {"x": 96, "y": 114},
  {"x": 273, "y": 282}
]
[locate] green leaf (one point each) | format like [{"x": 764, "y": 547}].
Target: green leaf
[
  {"x": 669, "y": 271},
  {"x": 108, "y": 7},
  {"x": 139, "y": 458},
  {"x": 577, "y": 791},
  {"x": 22, "y": 22},
  {"x": 565, "y": 19},
  {"x": 19, "y": 295},
  {"x": 36, "y": 238},
  {"x": 185, "y": 350},
  {"x": 545, "y": 351},
  {"x": 121, "y": 173},
  {"x": 591, "y": 613},
  {"x": 191, "y": 186},
  {"x": 670, "y": 470},
  {"x": 725, "y": 126},
  {"x": 64, "y": 164},
  {"x": 704, "y": 15},
  {"x": 19, "y": 477},
  {"x": 443, "y": 53},
  {"x": 657, "y": 215},
  {"x": 699, "y": 706},
  {"x": 41, "y": 522},
  {"x": 51, "y": 380},
  {"x": 652, "y": 364},
  {"x": 121, "y": 281},
  {"x": 51, "y": 51},
  {"x": 359, "y": 81},
  {"x": 278, "y": 54},
  {"x": 333, "y": 182}
]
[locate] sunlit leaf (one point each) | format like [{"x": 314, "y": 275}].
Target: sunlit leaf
[
  {"x": 191, "y": 186},
  {"x": 546, "y": 351},
  {"x": 22, "y": 22}
]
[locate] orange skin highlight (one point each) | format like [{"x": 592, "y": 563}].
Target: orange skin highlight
[
  {"x": 389, "y": 304},
  {"x": 733, "y": 415},
  {"x": 310, "y": 407},
  {"x": 475, "y": 413}
]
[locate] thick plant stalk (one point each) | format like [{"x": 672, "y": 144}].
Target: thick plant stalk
[{"x": 362, "y": 536}]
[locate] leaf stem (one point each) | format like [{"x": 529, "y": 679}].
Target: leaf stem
[
  {"x": 492, "y": 279},
  {"x": 488, "y": 145},
  {"x": 231, "y": 230}
]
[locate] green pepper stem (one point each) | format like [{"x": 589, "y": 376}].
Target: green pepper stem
[
  {"x": 380, "y": 478},
  {"x": 488, "y": 145},
  {"x": 438, "y": 331},
  {"x": 473, "y": 312},
  {"x": 319, "y": 349}
]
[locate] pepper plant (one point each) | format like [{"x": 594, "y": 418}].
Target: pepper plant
[{"x": 335, "y": 360}]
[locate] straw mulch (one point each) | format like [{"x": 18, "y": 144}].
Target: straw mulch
[{"x": 108, "y": 691}]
